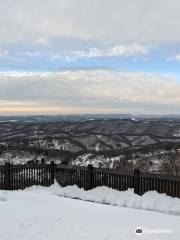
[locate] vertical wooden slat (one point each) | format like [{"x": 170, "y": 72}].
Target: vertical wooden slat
[{"x": 20, "y": 177}]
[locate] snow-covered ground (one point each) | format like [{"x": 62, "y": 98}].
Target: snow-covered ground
[{"x": 41, "y": 213}]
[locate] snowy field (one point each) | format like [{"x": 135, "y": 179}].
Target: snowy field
[{"x": 41, "y": 213}]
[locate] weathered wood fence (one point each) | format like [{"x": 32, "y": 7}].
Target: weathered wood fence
[{"x": 13, "y": 177}]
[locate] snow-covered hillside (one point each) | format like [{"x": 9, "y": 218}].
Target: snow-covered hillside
[
  {"x": 125, "y": 144},
  {"x": 40, "y": 214},
  {"x": 97, "y": 161}
]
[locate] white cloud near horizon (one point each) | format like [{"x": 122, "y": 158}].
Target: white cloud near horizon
[
  {"x": 106, "y": 21},
  {"x": 95, "y": 90}
]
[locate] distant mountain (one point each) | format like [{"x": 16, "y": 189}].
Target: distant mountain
[
  {"x": 85, "y": 117},
  {"x": 110, "y": 141}
]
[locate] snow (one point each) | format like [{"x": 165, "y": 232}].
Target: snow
[
  {"x": 40, "y": 213},
  {"x": 97, "y": 161},
  {"x": 151, "y": 200}
]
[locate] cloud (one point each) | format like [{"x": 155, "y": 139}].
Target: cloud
[
  {"x": 106, "y": 21},
  {"x": 123, "y": 50},
  {"x": 6, "y": 55},
  {"x": 177, "y": 57},
  {"x": 31, "y": 54},
  {"x": 47, "y": 58},
  {"x": 96, "y": 90},
  {"x": 3, "y": 53},
  {"x": 174, "y": 58}
]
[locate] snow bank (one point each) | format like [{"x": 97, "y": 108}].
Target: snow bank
[
  {"x": 41, "y": 214},
  {"x": 151, "y": 200}
]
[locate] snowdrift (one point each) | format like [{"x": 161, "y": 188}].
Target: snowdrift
[{"x": 151, "y": 200}]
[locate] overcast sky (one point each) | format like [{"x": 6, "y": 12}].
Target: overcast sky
[{"x": 89, "y": 56}]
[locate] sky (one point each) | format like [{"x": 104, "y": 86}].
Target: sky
[{"x": 89, "y": 56}]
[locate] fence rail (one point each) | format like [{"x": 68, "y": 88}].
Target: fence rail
[{"x": 13, "y": 177}]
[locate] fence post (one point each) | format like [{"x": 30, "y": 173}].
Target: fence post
[
  {"x": 90, "y": 177},
  {"x": 137, "y": 181},
  {"x": 52, "y": 170},
  {"x": 7, "y": 176}
]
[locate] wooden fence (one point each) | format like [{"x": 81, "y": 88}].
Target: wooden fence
[{"x": 13, "y": 177}]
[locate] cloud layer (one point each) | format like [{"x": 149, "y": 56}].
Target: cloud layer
[
  {"x": 108, "y": 21},
  {"x": 118, "y": 40},
  {"x": 99, "y": 90}
]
